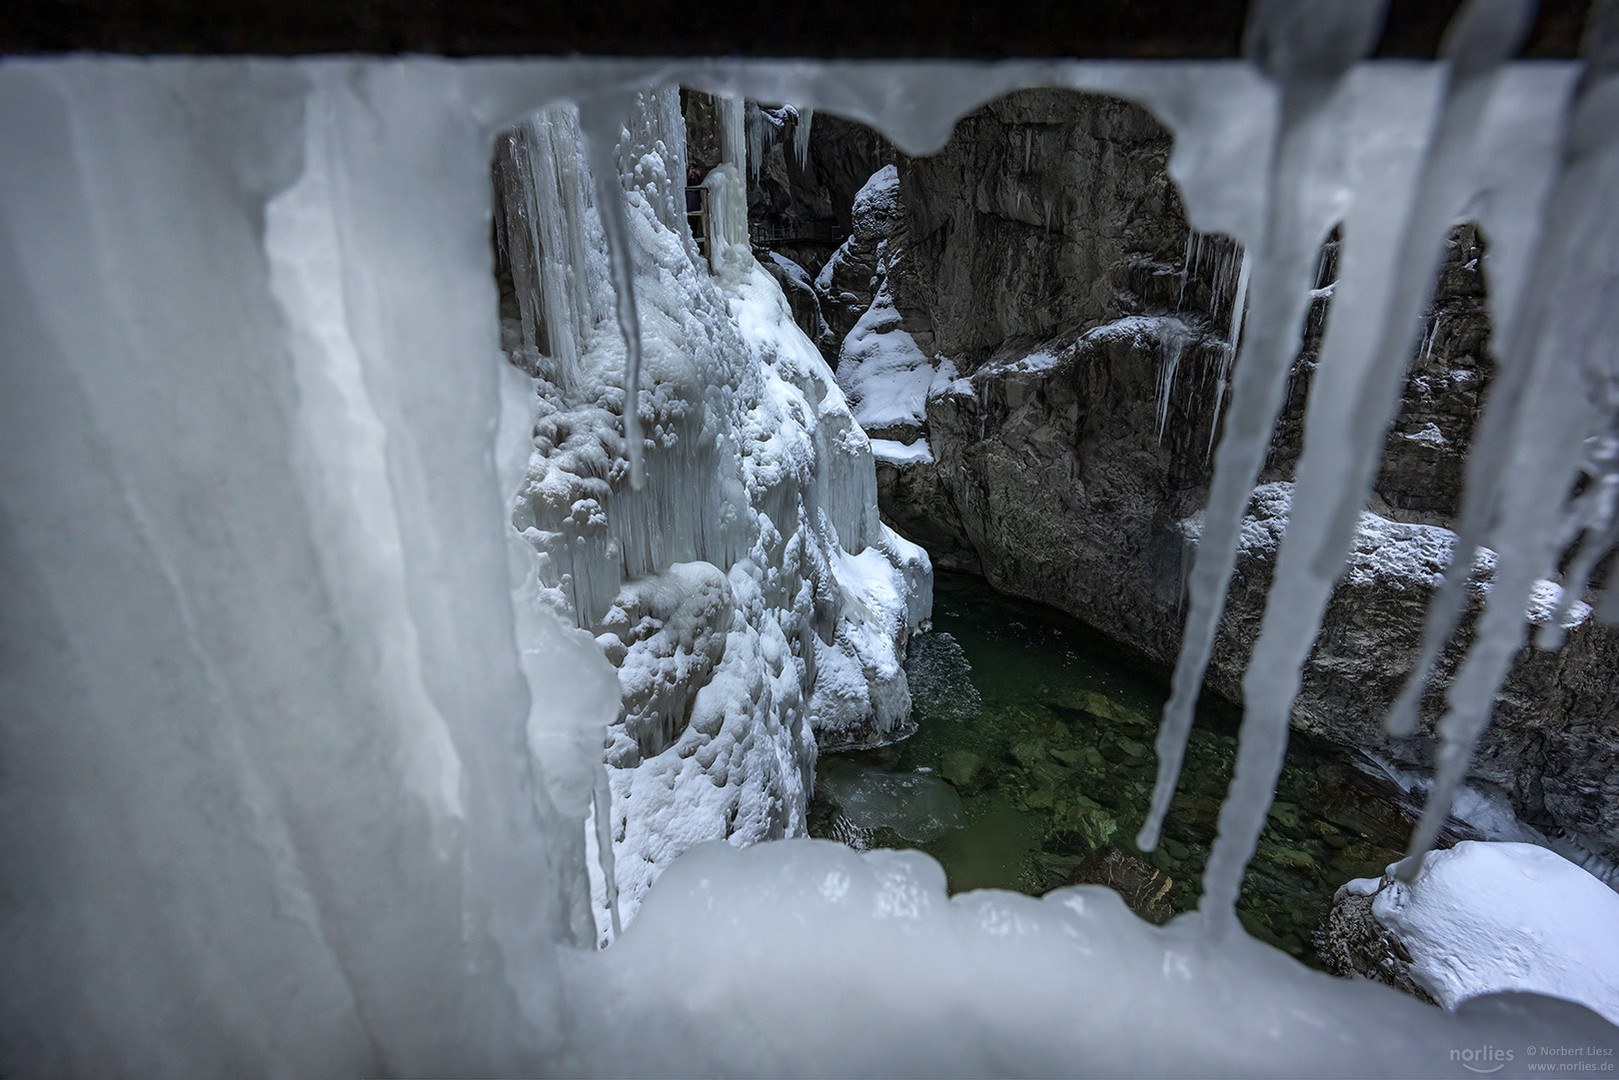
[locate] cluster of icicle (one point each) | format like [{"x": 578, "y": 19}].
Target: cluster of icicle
[
  {"x": 1229, "y": 265},
  {"x": 1546, "y": 427},
  {"x": 766, "y": 126}
]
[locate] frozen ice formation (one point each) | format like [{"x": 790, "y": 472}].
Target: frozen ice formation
[
  {"x": 298, "y": 752},
  {"x": 748, "y": 596}
]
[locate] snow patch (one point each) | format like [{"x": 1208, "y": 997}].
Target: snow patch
[
  {"x": 1383, "y": 551},
  {"x": 893, "y": 452},
  {"x": 886, "y": 375}
]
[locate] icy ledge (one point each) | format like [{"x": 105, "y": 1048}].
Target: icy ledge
[{"x": 988, "y": 983}]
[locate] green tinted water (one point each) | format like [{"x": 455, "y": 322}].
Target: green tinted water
[{"x": 1034, "y": 752}]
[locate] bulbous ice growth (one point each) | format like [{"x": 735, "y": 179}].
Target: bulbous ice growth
[{"x": 748, "y": 596}]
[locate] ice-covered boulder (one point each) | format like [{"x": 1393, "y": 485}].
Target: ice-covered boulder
[{"x": 1483, "y": 918}]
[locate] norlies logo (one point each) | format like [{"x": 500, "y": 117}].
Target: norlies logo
[{"x": 1482, "y": 1059}]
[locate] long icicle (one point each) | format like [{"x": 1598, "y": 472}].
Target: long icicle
[
  {"x": 1597, "y": 523},
  {"x": 1305, "y": 53},
  {"x": 602, "y": 805},
  {"x": 801, "y": 137},
  {"x": 1389, "y": 262},
  {"x": 1564, "y": 345},
  {"x": 602, "y": 120}
]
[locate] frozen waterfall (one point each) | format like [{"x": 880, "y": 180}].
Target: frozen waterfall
[{"x": 301, "y": 735}]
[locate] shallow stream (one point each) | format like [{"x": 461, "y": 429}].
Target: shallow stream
[{"x": 1032, "y": 766}]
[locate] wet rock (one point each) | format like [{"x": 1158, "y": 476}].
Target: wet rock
[
  {"x": 1144, "y": 888},
  {"x": 963, "y": 768},
  {"x": 1028, "y": 752}
]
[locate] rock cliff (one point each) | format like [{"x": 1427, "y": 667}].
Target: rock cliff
[{"x": 1079, "y": 337}]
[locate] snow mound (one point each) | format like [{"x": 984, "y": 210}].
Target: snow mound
[
  {"x": 901, "y": 454},
  {"x": 1486, "y": 917},
  {"x": 884, "y": 372},
  {"x": 1383, "y": 551}
]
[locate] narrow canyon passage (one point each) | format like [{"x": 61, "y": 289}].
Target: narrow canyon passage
[{"x": 440, "y": 578}]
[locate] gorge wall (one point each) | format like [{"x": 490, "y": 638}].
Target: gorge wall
[{"x": 1040, "y": 348}]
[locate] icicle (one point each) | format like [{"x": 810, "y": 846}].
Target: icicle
[
  {"x": 556, "y": 188},
  {"x": 755, "y": 119},
  {"x": 983, "y": 407},
  {"x": 1432, "y": 336},
  {"x": 1486, "y": 463},
  {"x": 1229, "y": 353},
  {"x": 1239, "y": 300},
  {"x": 1607, "y": 607},
  {"x": 1391, "y": 256},
  {"x": 1186, "y": 269},
  {"x": 801, "y": 138},
  {"x": 1171, "y": 346},
  {"x": 1028, "y": 147},
  {"x": 1564, "y": 341},
  {"x": 602, "y": 119},
  {"x": 1598, "y": 526},
  {"x": 1305, "y": 52},
  {"x": 1597, "y": 543},
  {"x": 602, "y": 812},
  {"x": 1321, "y": 269}
]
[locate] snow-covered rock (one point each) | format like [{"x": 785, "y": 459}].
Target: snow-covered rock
[{"x": 1484, "y": 917}]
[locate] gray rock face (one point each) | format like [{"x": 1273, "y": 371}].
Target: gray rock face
[
  {"x": 1352, "y": 943},
  {"x": 1044, "y": 253},
  {"x": 1047, "y": 212}
]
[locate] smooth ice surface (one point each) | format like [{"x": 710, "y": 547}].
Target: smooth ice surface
[
  {"x": 1486, "y": 917},
  {"x": 299, "y": 755},
  {"x": 917, "y": 806}
]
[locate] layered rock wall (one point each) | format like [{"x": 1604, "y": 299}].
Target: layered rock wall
[{"x": 1082, "y": 336}]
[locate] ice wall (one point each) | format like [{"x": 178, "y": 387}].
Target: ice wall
[
  {"x": 749, "y": 598},
  {"x": 293, "y": 787}
]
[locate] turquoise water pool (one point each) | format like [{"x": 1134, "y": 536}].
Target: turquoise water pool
[{"x": 1032, "y": 766}]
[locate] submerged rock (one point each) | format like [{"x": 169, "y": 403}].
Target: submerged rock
[
  {"x": 963, "y": 768},
  {"x": 917, "y": 806},
  {"x": 1144, "y": 888}
]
